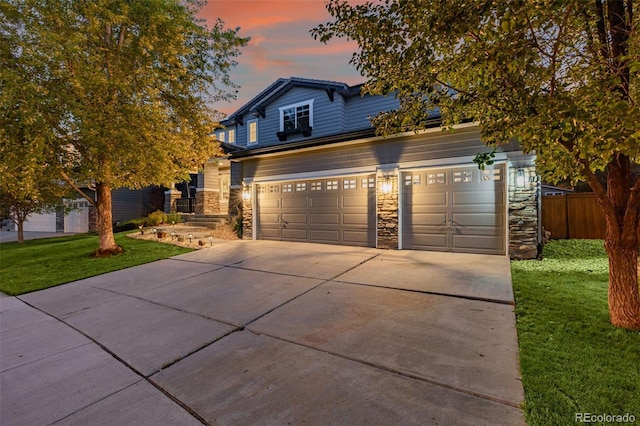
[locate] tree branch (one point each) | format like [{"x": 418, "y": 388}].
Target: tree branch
[{"x": 75, "y": 187}]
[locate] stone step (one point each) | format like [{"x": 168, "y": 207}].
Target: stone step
[{"x": 206, "y": 225}]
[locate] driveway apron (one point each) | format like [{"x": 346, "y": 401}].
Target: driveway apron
[{"x": 263, "y": 332}]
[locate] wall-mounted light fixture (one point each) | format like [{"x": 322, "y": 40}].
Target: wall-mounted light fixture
[
  {"x": 520, "y": 178},
  {"x": 387, "y": 185},
  {"x": 246, "y": 193}
]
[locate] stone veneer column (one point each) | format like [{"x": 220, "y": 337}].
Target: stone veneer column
[
  {"x": 170, "y": 198},
  {"x": 207, "y": 201},
  {"x": 523, "y": 215},
  {"x": 387, "y": 211},
  {"x": 247, "y": 217}
]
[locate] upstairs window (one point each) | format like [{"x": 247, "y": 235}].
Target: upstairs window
[
  {"x": 296, "y": 118},
  {"x": 252, "y": 132},
  {"x": 232, "y": 136},
  {"x": 221, "y": 136}
]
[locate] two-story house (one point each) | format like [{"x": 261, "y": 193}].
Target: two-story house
[{"x": 305, "y": 164}]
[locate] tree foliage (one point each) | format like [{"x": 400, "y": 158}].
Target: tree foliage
[
  {"x": 132, "y": 81},
  {"x": 561, "y": 76}
]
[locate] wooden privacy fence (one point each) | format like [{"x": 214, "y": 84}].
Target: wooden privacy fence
[{"x": 573, "y": 216}]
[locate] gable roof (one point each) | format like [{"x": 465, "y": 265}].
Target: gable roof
[{"x": 283, "y": 85}]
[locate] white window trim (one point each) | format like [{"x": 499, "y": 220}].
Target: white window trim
[
  {"x": 221, "y": 136},
  {"x": 232, "y": 136},
  {"x": 297, "y": 104},
  {"x": 249, "y": 122}
]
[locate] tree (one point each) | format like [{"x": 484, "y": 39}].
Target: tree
[
  {"x": 133, "y": 81},
  {"x": 561, "y": 76},
  {"x": 30, "y": 177}
]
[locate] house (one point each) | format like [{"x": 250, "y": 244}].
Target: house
[
  {"x": 77, "y": 215},
  {"x": 307, "y": 165}
]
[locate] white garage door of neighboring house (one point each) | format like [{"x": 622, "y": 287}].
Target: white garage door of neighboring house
[
  {"x": 458, "y": 209},
  {"x": 43, "y": 222},
  {"x": 77, "y": 220},
  {"x": 338, "y": 210}
]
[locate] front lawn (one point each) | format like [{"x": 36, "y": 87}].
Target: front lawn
[
  {"x": 40, "y": 264},
  {"x": 572, "y": 359}
]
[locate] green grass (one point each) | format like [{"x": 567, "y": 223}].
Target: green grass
[
  {"x": 572, "y": 359},
  {"x": 40, "y": 264}
]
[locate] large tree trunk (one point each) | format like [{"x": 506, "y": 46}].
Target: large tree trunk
[
  {"x": 621, "y": 243},
  {"x": 108, "y": 244},
  {"x": 624, "y": 300}
]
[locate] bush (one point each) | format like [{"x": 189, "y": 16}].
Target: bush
[
  {"x": 236, "y": 225},
  {"x": 156, "y": 218},
  {"x": 174, "y": 217},
  {"x": 129, "y": 225}
]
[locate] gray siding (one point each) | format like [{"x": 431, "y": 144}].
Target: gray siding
[
  {"x": 386, "y": 151},
  {"x": 326, "y": 115},
  {"x": 360, "y": 109}
]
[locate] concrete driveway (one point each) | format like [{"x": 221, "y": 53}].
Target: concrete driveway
[{"x": 258, "y": 332}]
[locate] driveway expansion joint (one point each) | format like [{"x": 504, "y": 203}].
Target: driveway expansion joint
[{"x": 393, "y": 371}]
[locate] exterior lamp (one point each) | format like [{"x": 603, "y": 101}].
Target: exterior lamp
[
  {"x": 520, "y": 178},
  {"x": 211, "y": 241},
  {"x": 387, "y": 185},
  {"x": 173, "y": 235},
  {"x": 154, "y": 230},
  {"x": 246, "y": 193},
  {"x": 190, "y": 236}
]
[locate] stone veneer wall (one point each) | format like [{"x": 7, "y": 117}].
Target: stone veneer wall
[
  {"x": 93, "y": 218},
  {"x": 170, "y": 198},
  {"x": 207, "y": 202},
  {"x": 247, "y": 218},
  {"x": 387, "y": 213},
  {"x": 523, "y": 215}
]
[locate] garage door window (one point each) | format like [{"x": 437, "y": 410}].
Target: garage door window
[
  {"x": 463, "y": 176},
  {"x": 316, "y": 186},
  {"x": 495, "y": 175},
  {"x": 411, "y": 179},
  {"x": 436, "y": 178},
  {"x": 349, "y": 184},
  {"x": 368, "y": 183},
  {"x": 274, "y": 188},
  {"x": 332, "y": 185},
  {"x": 301, "y": 187},
  {"x": 287, "y": 187}
]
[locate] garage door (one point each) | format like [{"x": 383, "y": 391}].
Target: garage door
[
  {"x": 77, "y": 219},
  {"x": 44, "y": 222},
  {"x": 456, "y": 209},
  {"x": 331, "y": 211}
]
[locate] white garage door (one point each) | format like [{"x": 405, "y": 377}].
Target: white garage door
[
  {"x": 337, "y": 210},
  {"x": 43, "y": 222},
  {"x": 459, "y": 209},
  {"x": 77, "y": 219}
]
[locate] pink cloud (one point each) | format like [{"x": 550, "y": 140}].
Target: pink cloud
[{"x": 281, "y": 45}]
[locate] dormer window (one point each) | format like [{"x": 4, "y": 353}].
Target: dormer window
[
  {"x": 221, "y": 136},
  {"x": 232, "y": 136},
  {"x": 296, "y": 118}
]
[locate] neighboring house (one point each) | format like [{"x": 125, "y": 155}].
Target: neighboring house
[
  {"x": 308, "y": 166},
  {"x": 555, "y": 190},
  {"x": 126, "y": 204}
]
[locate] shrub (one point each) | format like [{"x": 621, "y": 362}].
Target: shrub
[
  {"x": 156, "y": 218},
  {"x": 174, "y": 217},
  {"x": 129, "y": 225},
  {"x": 236, "y": 225}
]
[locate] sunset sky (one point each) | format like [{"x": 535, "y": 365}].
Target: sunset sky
[{"x": 281, "y": 45}]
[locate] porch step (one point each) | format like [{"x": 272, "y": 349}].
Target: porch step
[{"x": 210, "y": 221}]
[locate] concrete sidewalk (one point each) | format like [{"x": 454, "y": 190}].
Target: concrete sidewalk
[
  {"x": 258, "y": 332},
  {"x": 12, "y": 236}
]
